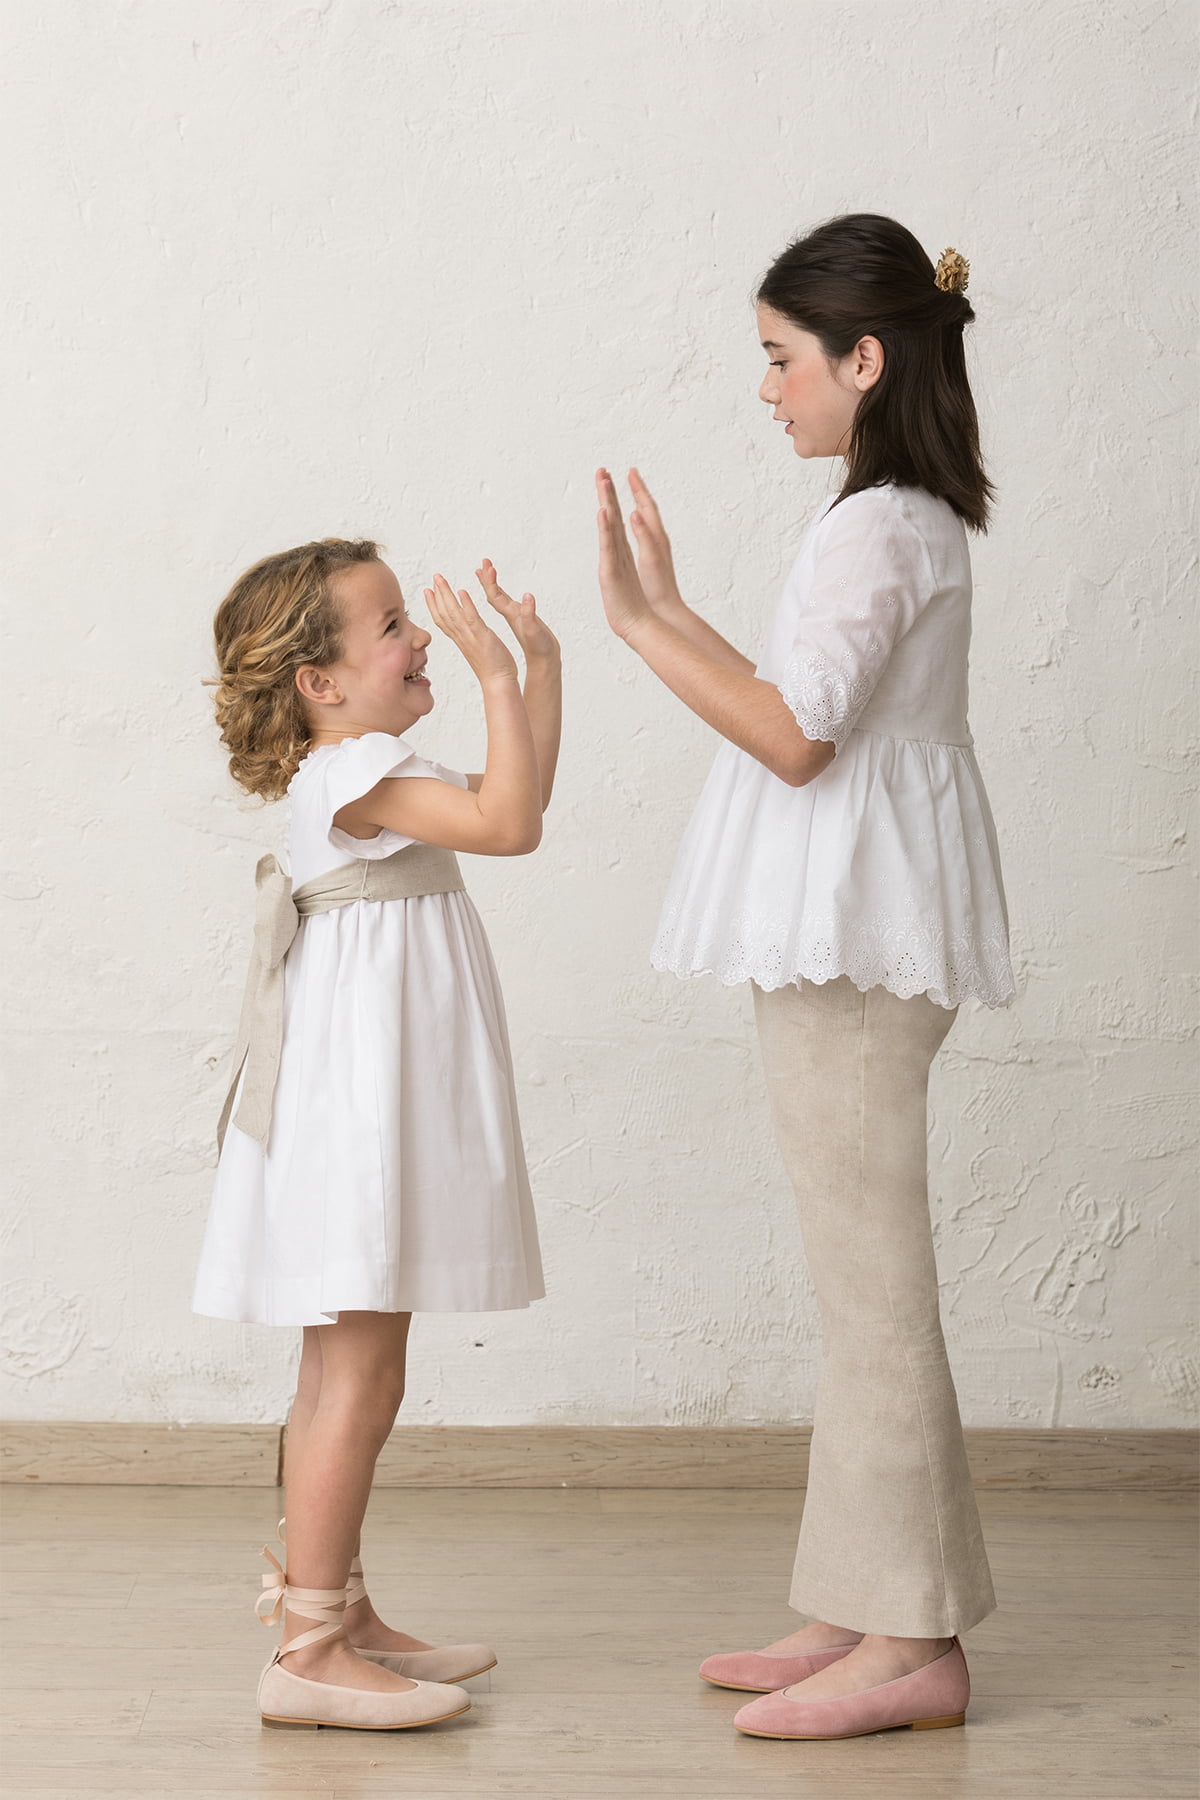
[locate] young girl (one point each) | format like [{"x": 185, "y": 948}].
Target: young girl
[
  {"x": 371, "y": 1163},
  {"x": 842, "y": 859}
]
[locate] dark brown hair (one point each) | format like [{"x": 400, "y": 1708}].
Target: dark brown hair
[
  {"x": 279, "y": 615},
  {"x": 863, "y": 275}
]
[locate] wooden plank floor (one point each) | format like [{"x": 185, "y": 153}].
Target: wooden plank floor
[{"x": 132, "y": 1650}]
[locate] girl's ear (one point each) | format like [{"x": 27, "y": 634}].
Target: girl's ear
[
  {"x": 868, "y": 362},
  {"x": 317, "y": 685}
]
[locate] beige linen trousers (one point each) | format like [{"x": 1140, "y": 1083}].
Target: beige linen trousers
[{"x": 890, "y": 1539}]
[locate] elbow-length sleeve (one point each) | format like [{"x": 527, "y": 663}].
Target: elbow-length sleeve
[{"x": 871, "y": 580}]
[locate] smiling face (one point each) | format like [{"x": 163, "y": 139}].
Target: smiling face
[
  {"x": 378, "y": 683},
  {"x": 816, "y": 397}
]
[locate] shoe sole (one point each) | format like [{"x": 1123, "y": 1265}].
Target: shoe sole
[
  {"x": 827, "y": 1737},
  {"x": 343, "y": 1725}
]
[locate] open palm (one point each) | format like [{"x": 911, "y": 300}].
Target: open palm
[
  {"x": 530, "y": 630},
  {"x": 655, "y": 564}
]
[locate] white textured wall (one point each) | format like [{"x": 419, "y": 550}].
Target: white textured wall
[{"x": 411, "y": 270}]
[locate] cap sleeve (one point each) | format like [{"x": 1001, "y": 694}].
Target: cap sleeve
[
  {"x": 871, "y": 579},
  {"x": 355, "y": 766}
]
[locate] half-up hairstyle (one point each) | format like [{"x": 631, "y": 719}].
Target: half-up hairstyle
[
  {"x": 279, "y": 615},
  {"x": 863, "y": 275}
]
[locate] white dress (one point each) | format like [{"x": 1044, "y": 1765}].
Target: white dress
[
  {"x": 394, "y": 1179},
  {"x": 884, "y": 868}
]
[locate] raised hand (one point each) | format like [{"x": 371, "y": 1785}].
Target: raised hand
[
  {"x": 455, "y": 614},
  {"x": 531, "y": 632},
  {"x": 625, "y": 602},
  {"x": 655, "y": 566}
]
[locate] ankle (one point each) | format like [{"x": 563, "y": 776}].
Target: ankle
[
  {"x": 311, "y": 1658},
  {"x": 822, "y": 1632}
]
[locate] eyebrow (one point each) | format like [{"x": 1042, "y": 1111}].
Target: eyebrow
[{"x": 770, "y": 344}]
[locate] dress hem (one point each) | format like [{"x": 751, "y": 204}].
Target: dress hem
[
  {"x": 996, "y": 1001},
  {"x": 235, "y": 1315}
]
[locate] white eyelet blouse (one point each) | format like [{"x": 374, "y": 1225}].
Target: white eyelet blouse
[{"x": 884, "y": 868}]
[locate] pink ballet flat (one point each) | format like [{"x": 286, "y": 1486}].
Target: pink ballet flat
[
  {"x": 766, "y": 1671},
  {"x": 930, "y": 1697}
]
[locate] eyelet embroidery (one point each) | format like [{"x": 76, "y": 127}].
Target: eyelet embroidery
[
  {"x": 826, "y": 702},
  {"x": 907, "y": 954}
]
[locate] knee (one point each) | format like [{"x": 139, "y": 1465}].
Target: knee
[
  {"x": 378, "y": 1403},
  {"x": 371, "y": 1402},
  {"x": 308, "y": 1388}
]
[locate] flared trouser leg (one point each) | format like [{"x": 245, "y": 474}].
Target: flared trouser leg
[{"x": 890, "y": 1539}]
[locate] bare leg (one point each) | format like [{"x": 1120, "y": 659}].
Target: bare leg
[
  {"x": 873, "y": 1660},
  {"x": 817, "y": 1636},
  {"x": 348, "y": 1393},
  {"x": 365, "y": 1629},
  {"x": 308, "y": 1392}
]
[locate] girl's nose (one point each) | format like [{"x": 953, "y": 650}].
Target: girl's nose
[{"x": 767, "y": 390}]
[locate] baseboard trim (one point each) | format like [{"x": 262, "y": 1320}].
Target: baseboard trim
[
  {"x": 542, "y": 1456},
  {"x": 94, "y": 1453}
]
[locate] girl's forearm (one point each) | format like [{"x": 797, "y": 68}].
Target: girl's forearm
[
  {"x": 703, "y": 636},
  {"x": 509, "y": 794},
  {"x": 750, "y": 712},
  {"x": 543, "y": 705}
]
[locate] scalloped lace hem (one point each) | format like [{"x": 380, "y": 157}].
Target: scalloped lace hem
[
  {"x": 967, "y": 972},
  {"x": 825, "y": 701}
]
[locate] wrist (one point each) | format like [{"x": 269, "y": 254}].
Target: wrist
[
  {"x": 543, "y": 662},
  {"x": 643, "y": 627},
  {"x": 672, "y": 606}
]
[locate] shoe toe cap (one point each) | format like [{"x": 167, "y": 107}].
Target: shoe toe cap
[{"x": 737, "y": 1668}]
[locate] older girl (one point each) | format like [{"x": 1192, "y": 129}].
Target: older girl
[{"x": 842, "y": 859}]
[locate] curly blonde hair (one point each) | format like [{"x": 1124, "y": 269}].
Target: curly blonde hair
[{"x": 279, "y": 615}]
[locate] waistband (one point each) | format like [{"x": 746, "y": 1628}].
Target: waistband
[{"x": 406, "y": 874}]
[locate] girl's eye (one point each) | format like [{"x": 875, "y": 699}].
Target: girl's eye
[{"x": 777, "y": 365}]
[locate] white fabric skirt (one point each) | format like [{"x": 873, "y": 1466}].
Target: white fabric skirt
[
  {"x": 395, "y": 1178},
  {"x": 885, "y": 869}
]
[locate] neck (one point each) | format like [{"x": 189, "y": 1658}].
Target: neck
[{"x": 335, "y": 734}]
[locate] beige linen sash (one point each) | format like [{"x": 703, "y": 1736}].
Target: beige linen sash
[{"x": 417, "y": 869}]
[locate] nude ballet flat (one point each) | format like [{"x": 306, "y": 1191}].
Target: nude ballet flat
[
  {"x": 928, "y": 1698},
  {"x": 446, "y": 1662},
  {"x": 297, "y": 1704},
  {"x": 449, "y": 1662},
  {"x": 766, "y": 1671}
]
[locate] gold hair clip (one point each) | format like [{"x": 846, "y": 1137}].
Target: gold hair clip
[{"x": 953, "y": 272}]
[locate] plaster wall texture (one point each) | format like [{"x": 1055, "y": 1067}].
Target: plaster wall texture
[{"x": 412, "y": 270}]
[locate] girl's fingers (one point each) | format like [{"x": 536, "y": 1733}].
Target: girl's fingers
[
  {"x": 645, "y": 498},
  {"x": 447, "y": 608},
  {"x": 486, "y": 575},
  {"x": 460, "y": 602},
  {"x": 615, "y": 542},
  {"x": 437, "y": 611},
  {"x": 612, "y": 524},
  {"x": 608, "y": 494}
]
